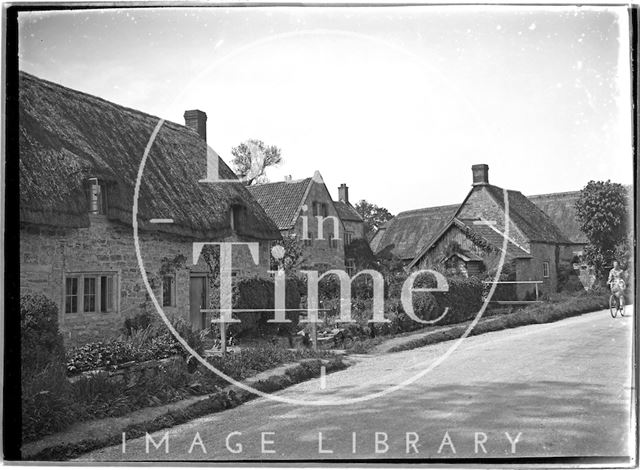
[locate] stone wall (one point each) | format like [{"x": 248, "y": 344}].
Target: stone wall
[
  {"x": 48, "y": 255},
  {"x": 356, "y": 228},
  {"x": 481, "y": 203}
]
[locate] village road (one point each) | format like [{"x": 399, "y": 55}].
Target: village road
[{"x": 559, "y": 389}]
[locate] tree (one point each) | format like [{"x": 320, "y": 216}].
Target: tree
[
  {"x": 252, "y": 158},
  {"x": 374, "y": 216},
  {"x": 603, "y": 216}
]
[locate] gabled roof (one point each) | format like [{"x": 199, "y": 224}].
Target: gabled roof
[
  {"x": 561, "y": 208},
  {"x": 529, "y": 218},
  {"x": 478, "y": 228},
  {"x": 408, "y": 232},
  {"x": 282, "y": 200},
  {"x": 347, "y": 212},
  {"x": 67, "y": 137}
]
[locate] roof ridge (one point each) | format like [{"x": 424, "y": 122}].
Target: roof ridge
[{"x": 73, "y": 91}]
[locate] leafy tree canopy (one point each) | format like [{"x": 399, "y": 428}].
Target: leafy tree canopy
[
  {"x": 603, "y": 215},
  {"x": 374, "y": 216},
  {"x": 252, "y": 158}
]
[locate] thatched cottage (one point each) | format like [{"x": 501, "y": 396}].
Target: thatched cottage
[
  {"x": 470, "y": 236},
  {"x": 289, "y": 203},
  {"x": 79, "y": 159}
]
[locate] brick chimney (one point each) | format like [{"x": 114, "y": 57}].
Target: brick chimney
[
  {"x": 480, "y": 174},
  {"x": 343, "y": 193},
  {"x": 196, "y": 120}
]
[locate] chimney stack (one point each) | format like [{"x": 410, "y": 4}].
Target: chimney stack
[
  {"x": 343, "y": 193},
  {"x": 196, "y": 120},
  {"x": 288, "y": 178},
  {"x": 480, "y": 174}
]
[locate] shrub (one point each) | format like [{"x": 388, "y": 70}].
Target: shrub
[
  {"x": 464, "y": 299},
  {"x": 40, "y": 340},
  {"x": 138, "y": 322},
  {"x": 46, "y": 403},
  {"x": 257, "y": 293},
  {"x": 153, "y": 342},
  {"x": 568, "y": 280}
]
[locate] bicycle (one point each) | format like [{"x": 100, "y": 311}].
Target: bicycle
[{"x": 616, "y": 299}]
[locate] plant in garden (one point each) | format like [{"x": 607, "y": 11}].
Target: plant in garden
[
  {"x": 290, "y": 256},
  {"x": 46, "y": 401},
  {"x": 603, "y": 215}
]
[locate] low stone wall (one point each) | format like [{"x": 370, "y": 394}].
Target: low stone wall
[{"x": 131, "y": 372}]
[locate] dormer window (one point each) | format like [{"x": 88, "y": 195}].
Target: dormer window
[
  {"x": 97, "y": 197},
  {"x": 237, "y": 215}
]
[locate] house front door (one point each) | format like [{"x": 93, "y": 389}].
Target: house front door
[{"x": 197, "y": 301}]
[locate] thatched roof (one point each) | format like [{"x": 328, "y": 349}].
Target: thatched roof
[
  {"x": 561, "y": 208},
  {"x": 408, "y": 232},
  {"x": 282, "y": 200},
  {"x": 529, "y": 218},
  {"x": 492, "y": 236},
  {"x": 67, "y": 137}
]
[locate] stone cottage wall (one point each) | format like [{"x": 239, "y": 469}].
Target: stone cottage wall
[
  {"x": 355, "y": 227},
  {"x": 532, "y": 270},
  {"x": 320, "y": 254},
  {"x": 47, "y": 255},
  {"x": 481, "y": 203}
]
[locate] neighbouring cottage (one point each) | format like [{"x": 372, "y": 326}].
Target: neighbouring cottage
[
  {"x": 292, "y": 202},
  {"x": 353, "y": 226},
  {"x": 79, "y": 159},
  {"x": 470, "y": 237}
]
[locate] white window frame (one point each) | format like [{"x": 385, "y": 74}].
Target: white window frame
[
  {"x": 97, "y": 275},
  {"x": 545, "y": 269}
]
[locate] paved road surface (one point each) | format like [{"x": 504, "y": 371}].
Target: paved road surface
[{"x": 564, "y": 388}]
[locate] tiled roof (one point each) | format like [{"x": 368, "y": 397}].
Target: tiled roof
[
  {"x": 494, "y": 237},
  {"x": 408, "y": 232},
  {"x": 529, "y": 218},
  {"x": 347, "y": 211},
  {"x": 281, "y": 200},
  {"x": 561, "y": 208}
]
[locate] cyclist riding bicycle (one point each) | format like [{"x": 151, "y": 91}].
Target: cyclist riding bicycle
[{"x": 616, "y": 280}]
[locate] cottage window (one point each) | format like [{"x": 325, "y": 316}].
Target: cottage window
[
  {"x": 237, "y": 216},
  {"x": 350, "y": 264},
  {"x": 545, "y": 269},
  {"x": 97, "y": 196},
  {"x": 96, "y": 291},
  {"x": 168, "y": 291},
  {"x": 71, "y": 295},
  {"x": 309, "y": 241},
  {"x": 89, "y": 294},
  {"x": 348, "y": 238}
]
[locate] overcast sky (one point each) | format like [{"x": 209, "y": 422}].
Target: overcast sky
[{"x": 396, "y": 102}]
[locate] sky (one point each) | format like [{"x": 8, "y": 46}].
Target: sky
[{"x": 396, "y": 102}]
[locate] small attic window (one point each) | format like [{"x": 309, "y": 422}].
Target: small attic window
[
  {"x": 237, "y": 215},
  {"x": 97, "y": 196}
]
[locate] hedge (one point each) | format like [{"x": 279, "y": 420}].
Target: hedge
[
  {"x": 258, "y": 293},
  {"x": 47, "y": 405}
]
